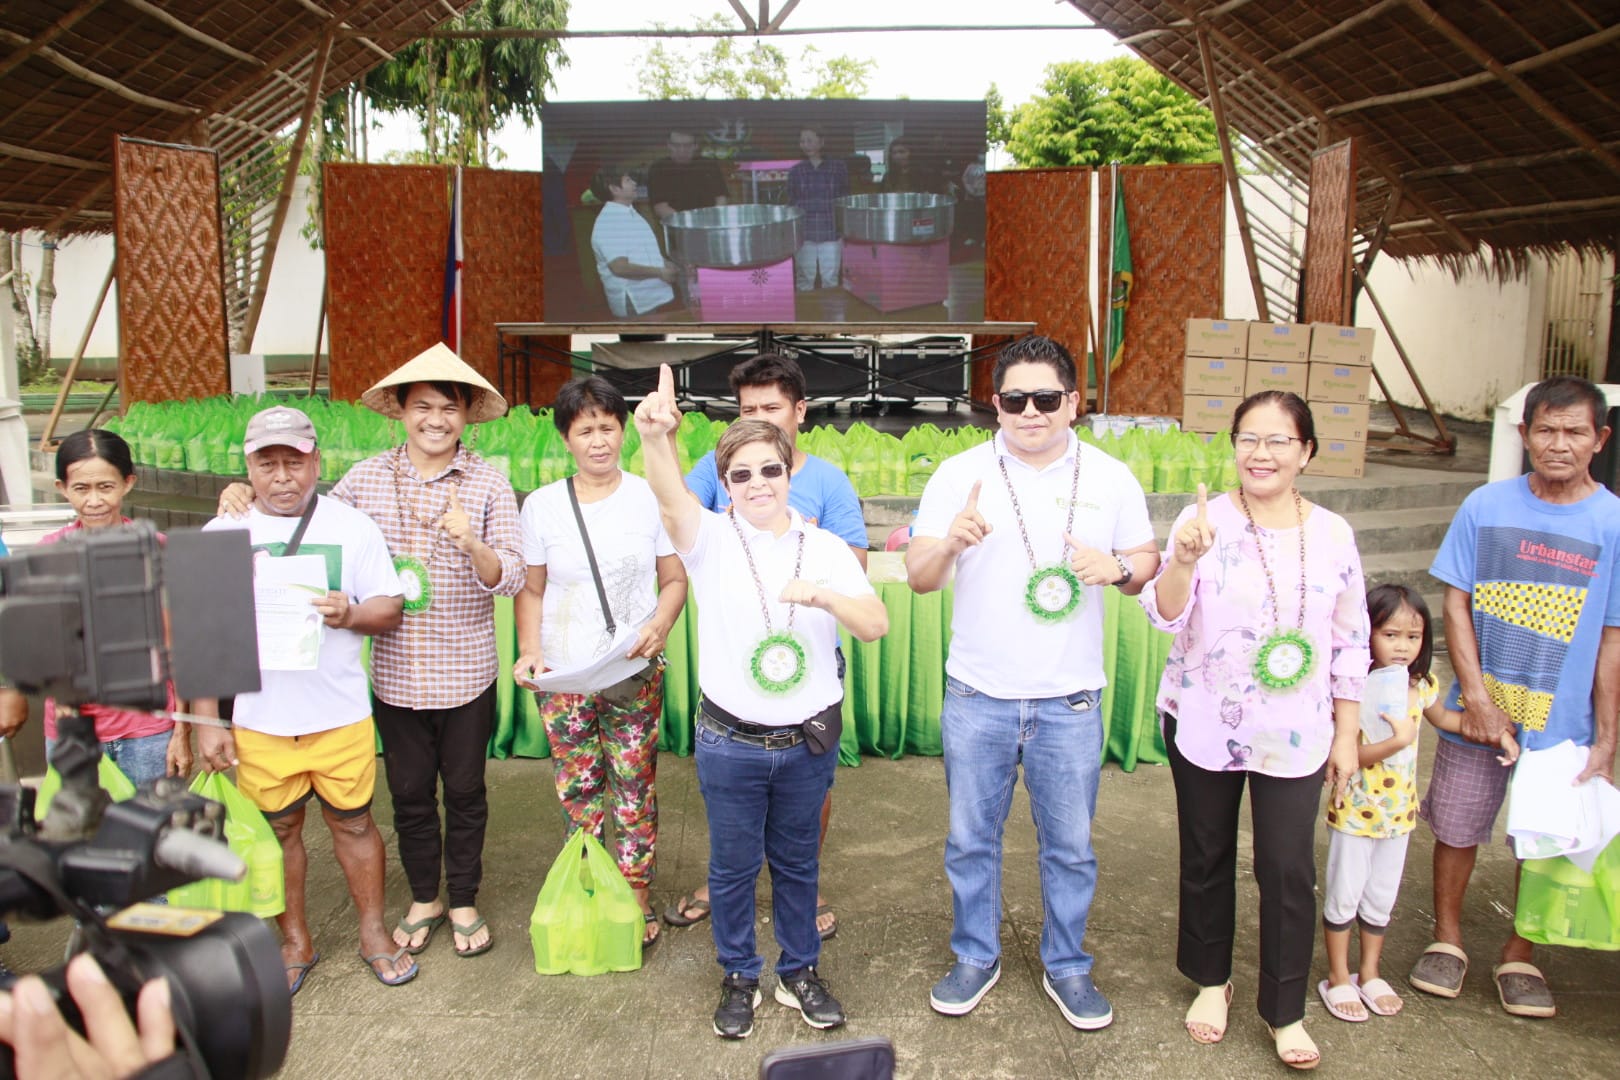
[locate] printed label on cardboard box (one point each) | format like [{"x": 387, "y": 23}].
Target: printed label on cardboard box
[
  {"x": 1340, "y": 419},
  {"x": 1212, "y": 376},
  {"x": 1341, "y": 344},
  {"x": 1339, "y": 457},
  {"x": 1288, "y": 342},
  {"x": 1339, "y": 382},
  {"x": 1273, "y": 375},
  {"x": 1207, "y": 413},
  {"x": 1217, "y": 337}
]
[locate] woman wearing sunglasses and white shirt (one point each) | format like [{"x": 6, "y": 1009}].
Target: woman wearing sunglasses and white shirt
[{"x": 768, "y": 589}]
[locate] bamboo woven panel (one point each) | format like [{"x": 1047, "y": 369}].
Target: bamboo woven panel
[
  {"x": 386, "y": 229},
  {"x": 1328, "y": 234},
  {"x": 1176, "y": 217},
  {"x": 502, "y": 272},
  {"x": 1037, "y": 232},
  {"x": 171, "y": 286}
]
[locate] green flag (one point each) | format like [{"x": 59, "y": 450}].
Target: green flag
[{"x": 1120, "y": 283}]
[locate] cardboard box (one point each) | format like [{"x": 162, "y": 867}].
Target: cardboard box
[
  {"x": 1339, "y": 457},
  {"x": 1213, "y": 376},
  {"x": 1217, "y": 337},
  {"x": 1341, "y": 344},
  {"x": 1208, "y": 414},
  {"x": 1339, "y": 382},
  {"x": 1340, "y": 420},
  {"x": 1273, "y": 375},
  {"x": 1288, "y": 342}
]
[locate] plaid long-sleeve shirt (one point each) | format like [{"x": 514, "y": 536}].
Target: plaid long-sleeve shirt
[
  {"x": 813, "y": 189},
  {"x": 444, "y": 656}
]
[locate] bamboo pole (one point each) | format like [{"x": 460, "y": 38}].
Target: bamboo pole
[
  {"x": 1229, "y": 167},
  {"x": 315, "y": 357},
  {"x": 78, "y": 355},
  {"x": 1105, "y": 363}
]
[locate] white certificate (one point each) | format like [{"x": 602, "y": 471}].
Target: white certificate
[
  {"x": 290, "y": 629},
  {"x": 598, "y": 674}
]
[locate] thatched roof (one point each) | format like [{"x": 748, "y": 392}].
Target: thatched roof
[
  {"x": 74, "y": 74},
  {"x": 1498, "y": 122}
]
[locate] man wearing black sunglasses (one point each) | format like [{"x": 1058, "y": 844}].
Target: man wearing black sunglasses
[
  {"x": 1034, "y": 524},
  {"x": 772, "y": 387}
]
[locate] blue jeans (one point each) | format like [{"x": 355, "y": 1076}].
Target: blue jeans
[
  {"x": 763, "y": 806},
  {"x": 1059, "y": 743},
  {"x": 140, "y": 759}
]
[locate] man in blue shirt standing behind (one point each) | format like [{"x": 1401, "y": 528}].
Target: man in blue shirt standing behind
[
  {"x": 772, "y": 387},
  {"x": 1532, "y": 573}
]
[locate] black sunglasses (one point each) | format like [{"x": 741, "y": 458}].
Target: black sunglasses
[
  {"x": 1047, "y": 401},
  {"x": 774, "y": 471}
]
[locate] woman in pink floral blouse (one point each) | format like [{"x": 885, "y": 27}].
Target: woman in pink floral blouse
[{"x": 1264, "y": 593}]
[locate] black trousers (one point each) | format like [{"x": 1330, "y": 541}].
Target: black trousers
[
  {"x": 1284, "y": 815},
  {"x": 419, "y": 747}
]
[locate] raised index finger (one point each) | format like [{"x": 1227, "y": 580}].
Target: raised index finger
[
  {"x": 666, "y": 383},
  {"x": 455, "y": 500},
  {"x": 1203, "y": 501},
  {"x": 973, "y": 496}
]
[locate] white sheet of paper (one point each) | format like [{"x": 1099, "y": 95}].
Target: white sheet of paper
[
  {"x": 290, "y": 630},
  {"x": 600, "y": 673}
]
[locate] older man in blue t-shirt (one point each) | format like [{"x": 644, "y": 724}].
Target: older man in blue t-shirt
[
  {"x": 1532, "y": 573},
  {"x": 772, "y": 387}
]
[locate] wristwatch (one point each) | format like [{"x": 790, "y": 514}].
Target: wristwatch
[{"x": 1126, "y": 571}]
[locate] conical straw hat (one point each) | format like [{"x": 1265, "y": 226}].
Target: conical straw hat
[{"x": 436, "y": 364}]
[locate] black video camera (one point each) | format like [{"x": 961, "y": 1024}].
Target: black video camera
[{"x": 83, "y": 621}]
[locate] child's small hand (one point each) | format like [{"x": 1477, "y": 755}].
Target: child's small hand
[
  {"x": 1404, "y": 728},
  {"x": 1510, "y": 749}
]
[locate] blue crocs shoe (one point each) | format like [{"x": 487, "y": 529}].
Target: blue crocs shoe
[
  {"x": 1079, "y": 1000},
  {"x": 963, "y": 987}
]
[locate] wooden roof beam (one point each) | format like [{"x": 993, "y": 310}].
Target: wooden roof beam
[
  {"x": 1559, "y": 119},
  {"x": 1567, "y": 206},
  {"x": 742, "y": 13},
  {"x": 95, "y": 78},
  {"x": 1303, "y": 101},
  {"x": 1523, "y": 161},
  {"x": 781, "y": 16},
  {"x": 1185, "y": 24},
  {"x": 1338, "y": 30},
  {"x": 26, "y": 154},
  {"x": 184, "y": 28},
  {"x": 48, "y": 35}
]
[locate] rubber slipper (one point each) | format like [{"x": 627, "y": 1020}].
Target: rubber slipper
[
  {"x": 1337, "y": 997},
  {"x": 831, "y": 931},
  {"x": 1440, "y": 970},
  {"x": 1374, "y": 990},
  {"x": 430, "y": 924},
  {"x": 647, "y": 943},
  {"x": 1523, "y": 990},
  {"x": 675, "y": 914},
  {"x": 468, "y": 931},
  {"x": 1206, "y": 1012},
  {"x": 303, "y": 972},
  {"x": 1297, "y": 1042},
  {"x": 393, "y": 957}
]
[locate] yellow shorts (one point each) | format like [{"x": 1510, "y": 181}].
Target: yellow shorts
[{"x": 280, "y": 772}]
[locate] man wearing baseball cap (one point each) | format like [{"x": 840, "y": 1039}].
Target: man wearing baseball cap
[{"x": 309, "y": 733}]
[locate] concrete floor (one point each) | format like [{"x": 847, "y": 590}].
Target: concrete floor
[{"x": 494, "y": 1017}]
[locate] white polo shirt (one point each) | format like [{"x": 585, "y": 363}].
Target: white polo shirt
[
  {"x": 997, "y": 645},
  {"x": 731, "y": 624},
  {"x": 619, "y": 230}
]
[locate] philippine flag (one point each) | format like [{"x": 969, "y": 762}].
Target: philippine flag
[{"x": 450, "y": 319}]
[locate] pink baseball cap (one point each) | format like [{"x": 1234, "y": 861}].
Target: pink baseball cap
[{"x": 279, "y": 426}]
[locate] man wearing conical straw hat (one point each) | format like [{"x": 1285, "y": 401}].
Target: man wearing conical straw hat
[{"x": 451, "y": 522}]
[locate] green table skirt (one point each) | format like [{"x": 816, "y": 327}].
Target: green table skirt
[{"x": 893, "y": 689}]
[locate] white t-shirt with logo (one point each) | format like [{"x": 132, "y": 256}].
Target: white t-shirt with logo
[{"x": 336, "y": 693}]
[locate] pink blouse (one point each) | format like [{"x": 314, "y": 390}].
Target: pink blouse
[{"x": 1225, "y": 719}]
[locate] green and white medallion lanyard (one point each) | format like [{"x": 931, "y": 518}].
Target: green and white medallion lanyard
[
  {"x": 413, "y": 572},
  {"x": 1286, "y": 657},
  {"x": 779, "y": 663},
  {"x": 1053, "y": 593}
]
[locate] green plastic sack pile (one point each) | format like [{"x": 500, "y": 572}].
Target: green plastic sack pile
[
  {"x": 586, "y": 919},
  {"x": 206, "y": 436},
  {"x": 262, "y": 891}
]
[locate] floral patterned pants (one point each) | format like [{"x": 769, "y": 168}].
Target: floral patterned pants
[{"x": 603, "y": 753}]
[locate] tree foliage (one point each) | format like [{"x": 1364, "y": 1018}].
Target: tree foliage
[
  {"x": 1118, "y": 110},
  {"x": 731, "y": 69},
  {"x": 461, "y": 89}
]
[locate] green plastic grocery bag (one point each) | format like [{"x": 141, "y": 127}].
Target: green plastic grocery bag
[
  {"x": 586, "y": 919},
  {"x": 1561, "y": 904},
  {"x": 263, "y": 891},
  {"x": 110, "y": 776}
]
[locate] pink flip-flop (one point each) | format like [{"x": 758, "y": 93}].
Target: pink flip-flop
[
  {"x": 1374, "y": 990},
  {"x": 1337, "y": 997}
]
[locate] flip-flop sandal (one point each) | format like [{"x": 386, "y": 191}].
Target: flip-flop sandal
[
  {"x": 1337, "y": 997},
  {"x": 393, "y": 957},
  {"x": 430, "y": 924},
  {"x": 1205, "y": 1012},
  {"x": 647, "y": 943},
  {"x": 1298, "y": 1042},
  {"x": 675, "y": 914},
  {"x": 1440, "y": 970},
  {"x": 1374, "y": 990},
  {"x": 303, "y": 972},
  {"x": 831, "y": 931},
  {"x": 468, "y": 931},
  {"x": 1523, "y": 990}
]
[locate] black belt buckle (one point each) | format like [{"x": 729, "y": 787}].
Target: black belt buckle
[{"x": 781, "y": 740}]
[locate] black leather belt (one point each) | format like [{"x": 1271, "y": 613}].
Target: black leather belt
[{"x": 761, "y": 735}]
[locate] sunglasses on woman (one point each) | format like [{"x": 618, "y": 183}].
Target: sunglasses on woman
[
  {"x": 774, "y": 471},
  {"x": 1046, "y": 401}
]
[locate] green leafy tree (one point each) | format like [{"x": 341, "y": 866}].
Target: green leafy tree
[
  {"x": 461, "y": 89},
  {"x": 730, "y": 69},
  {"x": 1118, "y": 110},
  {"x": 997, "y": 122}
]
